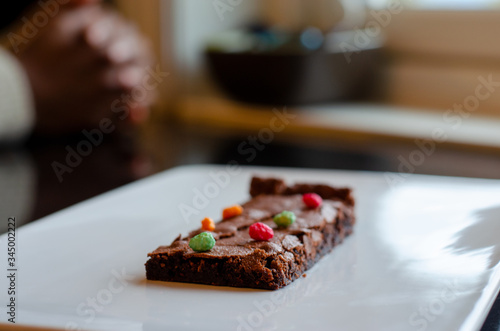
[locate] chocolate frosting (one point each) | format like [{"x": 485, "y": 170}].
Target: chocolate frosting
[{"x": 232, "y": 234}]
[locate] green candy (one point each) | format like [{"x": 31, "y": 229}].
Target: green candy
[
  {"x": 202, "y": 242},
  {"x": 284, "y": 219}
]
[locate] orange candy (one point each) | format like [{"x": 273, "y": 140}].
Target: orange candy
[
  {"x": 232, "y": 211},
  {"x": 207, "y": 224}
]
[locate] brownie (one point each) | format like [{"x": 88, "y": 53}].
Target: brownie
[{"x": 239, "y": 261}]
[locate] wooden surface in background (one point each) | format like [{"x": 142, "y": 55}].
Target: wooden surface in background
[{"x": 355, "y": 124}]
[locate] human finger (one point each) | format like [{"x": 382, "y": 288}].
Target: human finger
[
  {"x": 126, "y": 77},
  {"x": 100, "y": 31},
  {"x": 128, "y": 47}
]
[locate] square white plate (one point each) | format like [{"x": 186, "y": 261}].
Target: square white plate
[{"x": 424, "y": 256}]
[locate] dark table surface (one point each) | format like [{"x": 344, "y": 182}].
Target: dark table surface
[{"x": 31, "y": 188}]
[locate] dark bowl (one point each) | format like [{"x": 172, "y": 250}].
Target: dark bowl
[{"x": 295, "y": 78}]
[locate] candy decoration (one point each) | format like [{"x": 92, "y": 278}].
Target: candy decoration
[
  {"x": 202, "y": 242},
  {"x": 312, "y": 200},
  {"x": 207, "y": 224},
  {"x": 284, "y": 219},
  {"x": 260, "y": 231},
  {"x": 232, "y": 211}
]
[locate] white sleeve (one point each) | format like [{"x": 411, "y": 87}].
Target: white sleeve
[
  {"x": 17, "y": 196},
  {"x": 17, "y": 113}
]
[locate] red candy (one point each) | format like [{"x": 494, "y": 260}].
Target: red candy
[
  {"x": 260, "y": 231},
  {"x": 312, "y": 200}
]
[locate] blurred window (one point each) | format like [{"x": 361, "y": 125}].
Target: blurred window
[{"x": 440, "y": 4}]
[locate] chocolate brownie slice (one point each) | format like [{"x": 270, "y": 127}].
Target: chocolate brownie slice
[{"x": 239, "y": 261}]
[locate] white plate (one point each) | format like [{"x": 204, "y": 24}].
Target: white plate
[{"x": 424, "y": 256}]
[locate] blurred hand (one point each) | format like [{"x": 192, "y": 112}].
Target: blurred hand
[{"x": 81, "y": 63}]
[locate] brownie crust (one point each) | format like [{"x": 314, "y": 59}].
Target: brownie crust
[{"x": 239, "y": 261}]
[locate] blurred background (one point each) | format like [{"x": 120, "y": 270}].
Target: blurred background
[
  {"x": 365, "y": 79},
  {"x": 375, "y": 85}
]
